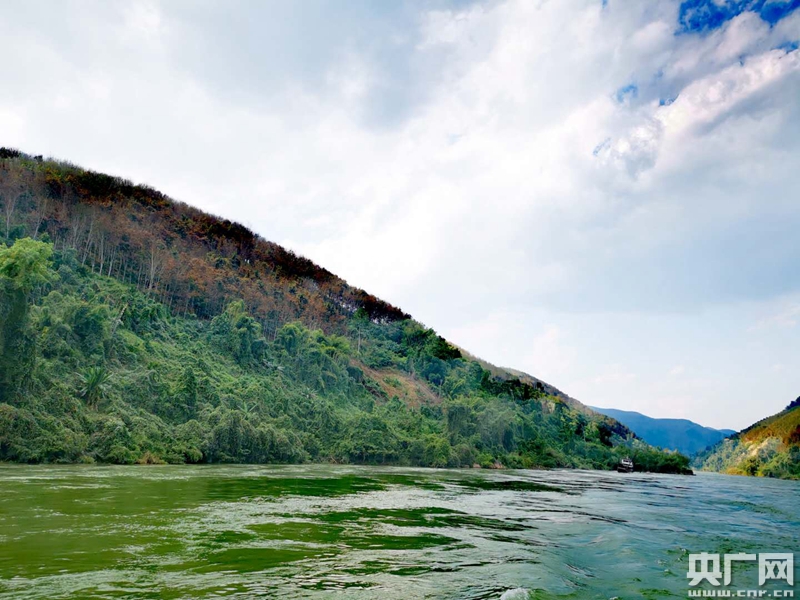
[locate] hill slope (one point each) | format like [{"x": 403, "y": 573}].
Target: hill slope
[
  {"x": 134, "y": 328},
  {"x": 687, "y": 437},
  {"x": 770, "y": 448}
]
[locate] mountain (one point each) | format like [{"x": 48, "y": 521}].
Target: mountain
[
  {"x": 687, "y": 437},
  {"x": 770, "y": 448},
  {"x": 134, "y": 328}
]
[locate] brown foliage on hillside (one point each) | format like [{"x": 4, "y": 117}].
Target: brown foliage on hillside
[{"x": 193, "y": 262}]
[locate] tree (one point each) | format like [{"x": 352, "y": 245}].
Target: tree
[
  {"x": 238, "y": 333},
  {"x": 360, "y": 324},
  {"x": 26, "y": 264},
  {"x": 93, "y": 385},
  {"x": 23, "y": 266},
  {"x": 11, "y": 191},
  {"x": 41, "y": 210},
  {"x": 188, "y": 390},
  {"x": 497, "y": 425},
  {"x": 460, "y": 419}
]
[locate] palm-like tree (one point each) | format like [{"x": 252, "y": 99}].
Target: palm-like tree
[
  {"x": 249, "y": 408},
  {"x": 93, "y": 385}
]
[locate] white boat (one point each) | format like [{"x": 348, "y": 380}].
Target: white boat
[{"x": 625, "y": 465}]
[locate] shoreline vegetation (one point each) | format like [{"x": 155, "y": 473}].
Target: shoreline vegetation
[
  {"x": 461, "y": 468},
  {"x": 137, "y": 329}
]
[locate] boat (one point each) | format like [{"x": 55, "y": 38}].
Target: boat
[{"x": 625, "y": 465}]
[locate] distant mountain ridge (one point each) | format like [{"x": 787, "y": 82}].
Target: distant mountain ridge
[{"x": 682, "y": 435}]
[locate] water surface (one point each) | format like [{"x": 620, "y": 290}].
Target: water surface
[{"x": 361, "y": 532}]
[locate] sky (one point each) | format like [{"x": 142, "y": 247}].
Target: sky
[{"x": 602, "y": 193}]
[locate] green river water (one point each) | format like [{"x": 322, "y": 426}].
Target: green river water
[{"x": 324, "y": 531}]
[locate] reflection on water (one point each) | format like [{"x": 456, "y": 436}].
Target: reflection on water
[{"x": 363, "y": 532}]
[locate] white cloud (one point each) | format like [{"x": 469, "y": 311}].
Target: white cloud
[
  {"x": 785, "y": 317},
  {"x": 143, "y": 20},
  {"x": 550, "y": 355},
  {"x": 615, "y": 376},
  {"x": 12, "y": 122}
]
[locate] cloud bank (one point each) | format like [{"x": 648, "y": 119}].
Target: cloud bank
[{"x": 594, "y": 192}]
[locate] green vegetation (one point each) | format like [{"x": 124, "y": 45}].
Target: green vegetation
[
  {"x": 134, "y": 329},
  {"x": 770, "y": 448}
]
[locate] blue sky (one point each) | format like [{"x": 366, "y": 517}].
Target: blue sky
[{"x": 603, "y": 194}]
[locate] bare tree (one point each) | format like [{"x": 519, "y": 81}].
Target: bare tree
[
  {"x": 88, "y": 241},
  {"x": 155, "y": 265},
  {"x": 102, "y": 251},
  {"x": 41, "y": 209},
  {"x": 9, "y": 202},
  {"x": 11, "y": 193}
]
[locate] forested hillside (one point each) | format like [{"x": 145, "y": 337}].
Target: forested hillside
[
  {"x": 770, "y": 448},
  {"x": 137, "y": 329}
]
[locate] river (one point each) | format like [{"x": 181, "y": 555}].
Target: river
[{"x": 320, "y": 531}]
